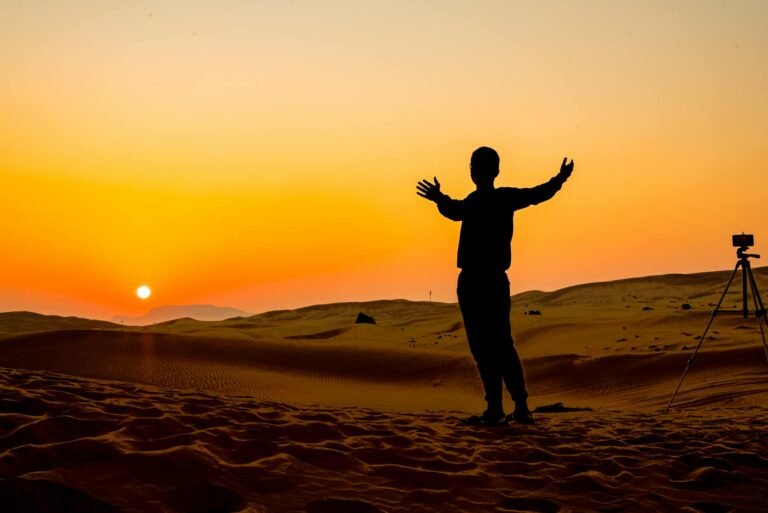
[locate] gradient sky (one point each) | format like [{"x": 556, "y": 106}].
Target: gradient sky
[{"x": 264, "y": 155}]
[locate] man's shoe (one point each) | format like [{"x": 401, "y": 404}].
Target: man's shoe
[
  {"x": 521, "y": 417},
  {"x": 488, "y": 418}
]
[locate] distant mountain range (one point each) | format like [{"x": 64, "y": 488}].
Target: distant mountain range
[{"x": 170, "y": 312}]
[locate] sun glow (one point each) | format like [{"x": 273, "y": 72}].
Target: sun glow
[{"x": 143, "y": 292}]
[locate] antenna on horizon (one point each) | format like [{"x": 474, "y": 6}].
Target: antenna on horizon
[{"x": 430, "y": 296}]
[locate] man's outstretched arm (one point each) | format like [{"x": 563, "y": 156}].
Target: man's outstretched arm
[
  {"x": 450, "y": 208},
  {"x": 543, "y": 192}
]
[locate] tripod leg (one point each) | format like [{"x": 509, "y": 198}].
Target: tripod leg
[
  {"x": 745, "y": 274},
  {"x": 701, "y": 340},
  {"x": 759, "y": 310}
]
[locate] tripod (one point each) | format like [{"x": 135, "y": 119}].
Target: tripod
[{"x": 748, "y": 280}]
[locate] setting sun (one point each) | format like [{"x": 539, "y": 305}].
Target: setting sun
[{"x": 143, "y": 292}]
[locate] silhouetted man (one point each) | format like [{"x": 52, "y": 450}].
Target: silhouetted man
[{"x": 484, "y": 256}]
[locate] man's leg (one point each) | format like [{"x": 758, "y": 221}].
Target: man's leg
[
  {"x": 511, "y": 366},
  {"x": 473, "y": 301}
]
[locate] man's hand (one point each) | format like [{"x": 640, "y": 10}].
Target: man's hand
[
  {"x": 431, "y": 191},
  {"x": 566, "y": 169}
]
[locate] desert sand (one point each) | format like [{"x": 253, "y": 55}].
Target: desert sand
[{"x": 305, "y": 410}]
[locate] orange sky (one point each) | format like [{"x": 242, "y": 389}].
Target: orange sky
[{"x": 261, "y": 155}]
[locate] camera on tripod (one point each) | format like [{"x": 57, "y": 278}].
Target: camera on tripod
[
  {"x": 748, "y": 284},
  {"x": 743, "y": 241}
]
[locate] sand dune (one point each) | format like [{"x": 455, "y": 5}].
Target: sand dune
[
  {"x": 98, "y": 446},
  {"x": 615, "y": 344},
  {"x": 304, "y": 410},
  {"x": 12, "y": 323},
  {"x": 383, "y": 377}
]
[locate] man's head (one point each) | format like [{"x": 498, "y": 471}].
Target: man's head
[{"x": 484, "y": 165}]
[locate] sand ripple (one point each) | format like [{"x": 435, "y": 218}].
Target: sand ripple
[{"x": 75, "y": 444}]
